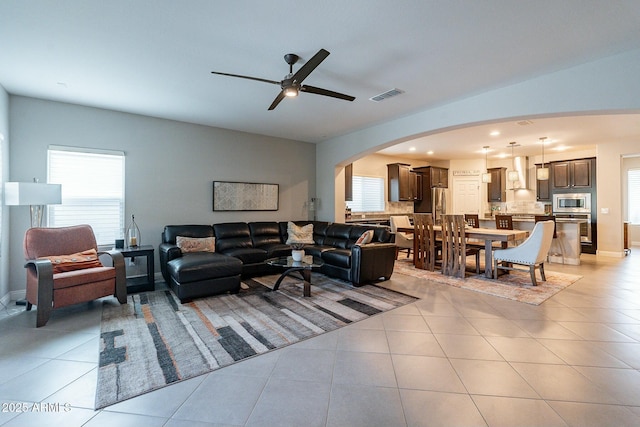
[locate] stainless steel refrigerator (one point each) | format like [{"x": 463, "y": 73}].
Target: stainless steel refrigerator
[{"x": 438, "y": 203}]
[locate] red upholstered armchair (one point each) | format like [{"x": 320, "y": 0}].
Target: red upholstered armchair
[{"x": 63, "y": 269}]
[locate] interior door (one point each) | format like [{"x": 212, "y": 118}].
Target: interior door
[{"x": 466, "y": 196}]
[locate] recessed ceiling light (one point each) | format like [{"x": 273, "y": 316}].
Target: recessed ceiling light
[
  {"x": 412, "y": 148},
  {"x": 495, "y": 133},
  {"x": 430, "y": 152}
]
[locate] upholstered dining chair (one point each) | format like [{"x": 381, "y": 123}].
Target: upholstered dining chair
[
  {"x": 558, "y": 245},
  {"x": 63, "y": 268},
  {"x": 531, "y": 253},
  {"x": 454, "y": 247},
  {"x": 427, "y": 248},
  {"x": 404, "y": 241}
]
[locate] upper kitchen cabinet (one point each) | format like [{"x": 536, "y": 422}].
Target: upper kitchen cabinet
[
  {"x": 497, "y": 188},
  {"x": 429, "y": 177},
  {"x": 402, "y": 183},
  {"x": 572, "y": 174},
  {"x": 543, "y": 188},
  {"x": 433, "y": 176}
]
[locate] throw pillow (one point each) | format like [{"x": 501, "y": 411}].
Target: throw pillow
[
  {"x": 196, "y": 244},
  {"x": 298, "y": 234},
  {"x": 77, "y": 261},
  {"x": 366, "y": 237}
]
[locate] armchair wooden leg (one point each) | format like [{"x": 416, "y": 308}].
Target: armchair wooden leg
[
  {"x": 532, "y": 271},
  {"x": 542, "y": 276},
  {"x": 29, "y": 306}
]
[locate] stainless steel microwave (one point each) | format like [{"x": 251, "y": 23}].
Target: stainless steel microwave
[{"x": 572, "y": 202}]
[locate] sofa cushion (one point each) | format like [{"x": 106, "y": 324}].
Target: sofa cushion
[
  {"x": 264, "y": 233},
  {"x": 317, "y": 250},
  {"x": 196, "y": 244},
  {"x": 198, "y": 266},
  {"x": 232, "y": 235},
  {"x": 172, "y": 231},
  {"x": 248, "y": 255},
  {"x": 338, "y": 257},
  {"x": 338, "y": 236},
  {"x": 299, "y": 234}
]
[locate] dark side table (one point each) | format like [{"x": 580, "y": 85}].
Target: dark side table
[{"x": 140, "y": 283}]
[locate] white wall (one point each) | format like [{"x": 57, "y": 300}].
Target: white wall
[
  {"x": 606, "y": 85},
  {"x": 4, "y": 223},
  {"x": 170, "y": 166}
]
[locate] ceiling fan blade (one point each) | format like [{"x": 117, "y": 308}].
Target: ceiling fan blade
[
  {"x": 247, "y": 77},
  {"x": 309, "y": 66},
  {"x": 276, "y": 101},
  {"x": 325, "y": 92}
]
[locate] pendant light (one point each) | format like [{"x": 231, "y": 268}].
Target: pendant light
[
  {"x": 513, "y": 175},
  {"x": 486, "y": 177},
  {"x": 542, "y": 173}
]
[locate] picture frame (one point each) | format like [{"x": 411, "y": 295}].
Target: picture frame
[{"x": 245, "y": 196}]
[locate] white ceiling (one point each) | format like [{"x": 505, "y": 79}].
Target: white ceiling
[{"x": 154, "y": 57}]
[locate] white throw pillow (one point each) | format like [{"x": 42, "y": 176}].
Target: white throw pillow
[
  {"x": 366, "y": 237},
  {"x": 196, "y": 244},
  {"x": 298, "y": 234}
]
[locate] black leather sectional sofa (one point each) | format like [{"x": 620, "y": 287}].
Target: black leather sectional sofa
[{"x": 241, "y": 250}]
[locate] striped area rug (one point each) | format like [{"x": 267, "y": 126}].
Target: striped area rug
[{"x": 154, "y": 341}]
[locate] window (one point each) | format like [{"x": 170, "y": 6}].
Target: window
[
  {"x": 368, "y": 194},
  {"x": 92, "y": 190},
  {"x": 633, "y": 183}
]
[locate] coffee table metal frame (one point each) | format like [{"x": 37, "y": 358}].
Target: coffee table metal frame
[{"x": 304, "y": 267}]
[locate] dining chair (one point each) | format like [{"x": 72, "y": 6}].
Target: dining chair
[
  {"x": 472, "y": 220},
  {"x": 427, "y": 247},
  {"x": 531, "y": 253},
  {"x": 539, "y": 218},
  {"x": 403, "y": 241},
  {"x": 504, "y": 222},
  {"x": 454, "y": 247}
]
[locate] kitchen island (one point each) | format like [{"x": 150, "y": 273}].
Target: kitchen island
[{"x": 565, "y": 249}]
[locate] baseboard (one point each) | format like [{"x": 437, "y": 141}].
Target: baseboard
[
  {"x": 6, "y": 299},
  {"x": 610, "y": 254}
]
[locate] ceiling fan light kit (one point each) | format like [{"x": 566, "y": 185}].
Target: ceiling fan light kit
[{"x": 292, "y": 85}]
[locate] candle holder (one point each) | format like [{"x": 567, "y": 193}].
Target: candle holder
[{"x": 133, "y": 234}]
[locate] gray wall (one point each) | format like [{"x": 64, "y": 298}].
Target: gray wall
[{"x": 170, "y": 166}]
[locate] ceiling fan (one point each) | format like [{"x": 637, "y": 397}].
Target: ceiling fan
[{"x": 292, "y": 83}]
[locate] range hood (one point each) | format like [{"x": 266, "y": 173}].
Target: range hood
[{"x": 521, "y": 166}]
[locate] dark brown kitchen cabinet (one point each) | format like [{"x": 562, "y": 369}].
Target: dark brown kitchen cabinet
[
  {"x": 497, "y": 188},
  {"x": 428, "y": 177},
  {"x": 434, "y": 176},
  {"x": 571, "y": 174},
  {"x": 543, "y": 188},
  {"x": 401, "y": 183}
]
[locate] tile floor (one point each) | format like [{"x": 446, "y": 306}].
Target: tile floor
[{"x": 454, "y": 358}]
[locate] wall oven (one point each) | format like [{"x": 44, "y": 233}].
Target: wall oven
[{"x": 575, "y": 206}]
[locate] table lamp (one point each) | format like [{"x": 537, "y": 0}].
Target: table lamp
[{"x": 34, "y": 194}]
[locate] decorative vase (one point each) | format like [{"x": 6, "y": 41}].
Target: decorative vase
[
  {"x": 133, "y": 234},
  {"x": 297, "y": 254}
]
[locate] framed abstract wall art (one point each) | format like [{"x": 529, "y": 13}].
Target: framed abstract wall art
[{"x": 244, "y": 196}]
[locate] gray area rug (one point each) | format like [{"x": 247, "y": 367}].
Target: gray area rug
[{"x": 154, "y": 341}]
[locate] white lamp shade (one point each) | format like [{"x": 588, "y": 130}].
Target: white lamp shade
[
  {"x": 32, "y": 193},
  {"x": 513, "y": 176},
  {"x": 486, "y": 177},
  {"x": 542, "y": 174}
]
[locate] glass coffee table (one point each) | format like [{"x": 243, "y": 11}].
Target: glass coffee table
[{"x": 304, "y": 267}]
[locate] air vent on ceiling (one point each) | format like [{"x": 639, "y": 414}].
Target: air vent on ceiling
[
  {"x": 387, "y": 94},
  {"x": 525, "y": 122}
]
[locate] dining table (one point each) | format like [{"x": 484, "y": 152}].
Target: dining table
[{"x": 488, "y": 235}]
